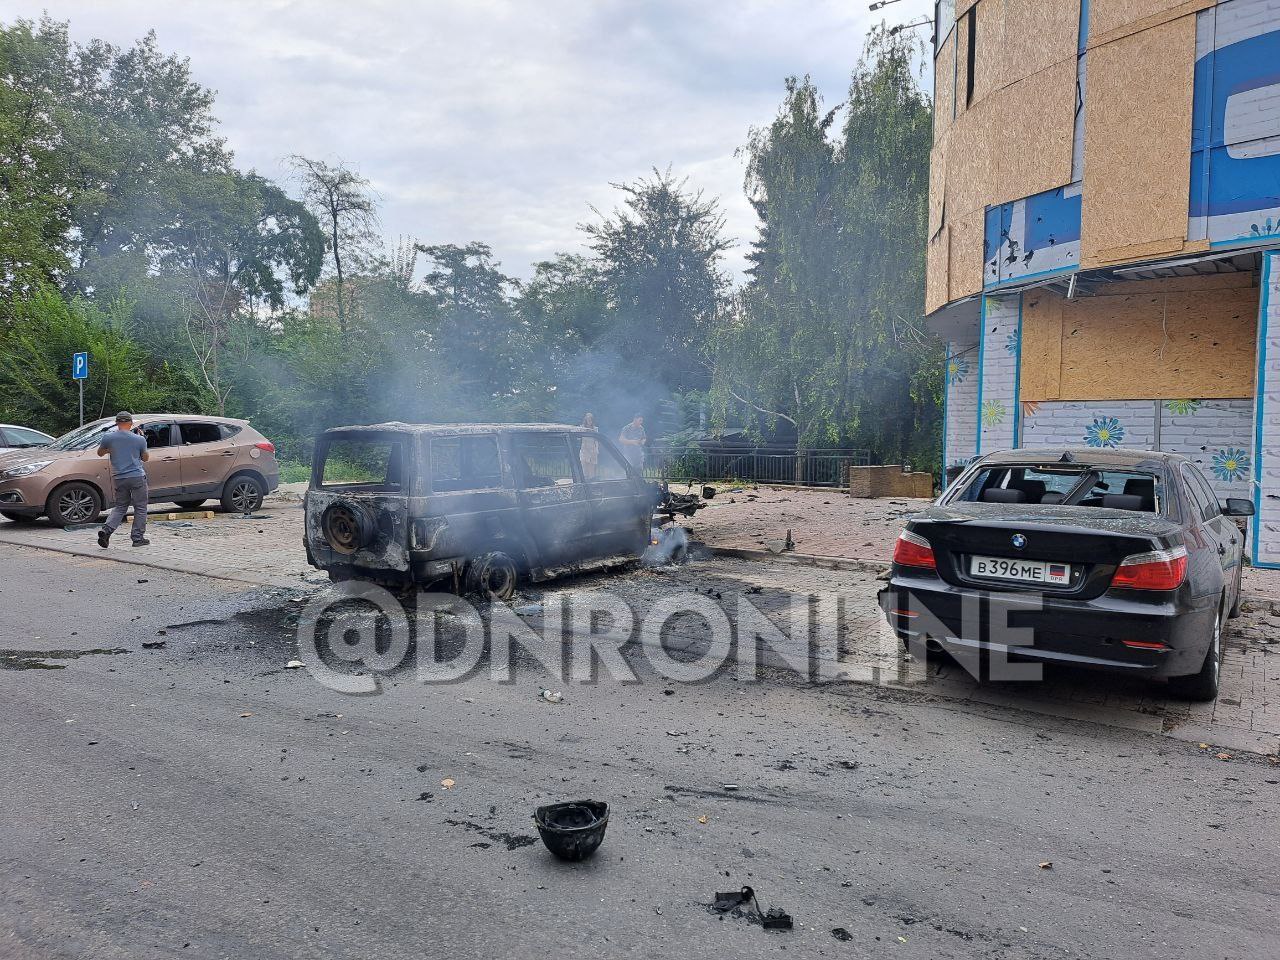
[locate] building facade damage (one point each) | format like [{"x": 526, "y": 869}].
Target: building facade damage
[{"x": 1104, "y": 235}]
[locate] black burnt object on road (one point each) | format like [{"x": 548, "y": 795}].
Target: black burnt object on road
[
  {"x": 775, "y": 918},
  {"x": 573, "y": 831}
]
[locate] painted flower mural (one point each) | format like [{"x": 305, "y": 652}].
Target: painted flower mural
[
  {"x": 993, "y": 413},
  {"x": 1230, "y": 464},
  {"x": 957, "y": 369},
  {"x": 1104, "y": 432},
  {"x": 1182, "y": 408},
  {"x": 1011, "y": 343}
]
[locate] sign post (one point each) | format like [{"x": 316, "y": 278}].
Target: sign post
[{"x": 80, "y": 373}]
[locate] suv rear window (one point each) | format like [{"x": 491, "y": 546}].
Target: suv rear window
[
  {"x": 199, "y": 432},
  {"x": 370, "y": 463}
]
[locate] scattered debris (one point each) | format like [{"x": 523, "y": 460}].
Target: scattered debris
[
  {"x": 243, "y": 715},
  {"x": 528, "y": 609},
  {"x": 448, "y": 783},
  {"x": 294, "y": 665},
  {"x": 775, "y": 918},
  {"x": 574, "y": 830},
  {"x": 702, "y": 819},
  {"x": 840, "y": 933},
  {"x": 1046, "y": 864},
  {"x": 154, "y": 645},
  {"x": 731, "y": 786},
  {"x": 1224, "y": 756},
  {"x": 550, "y": 697}
]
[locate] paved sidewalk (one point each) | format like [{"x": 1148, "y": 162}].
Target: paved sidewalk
[
  {"x": 264, "y": 549},
  {"x": 831, "y": 524}
]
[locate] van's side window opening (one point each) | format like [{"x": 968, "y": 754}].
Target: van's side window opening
[
  {"x": 544, "y": 460},
  {"x": 465, "y": 463},
  {"x": 369, "y": 463}
]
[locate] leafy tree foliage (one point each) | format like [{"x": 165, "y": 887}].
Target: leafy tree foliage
[{"x": 825, "y": 337}]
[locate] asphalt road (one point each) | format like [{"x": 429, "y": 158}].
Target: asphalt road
[{"x": 196, "y": 800}]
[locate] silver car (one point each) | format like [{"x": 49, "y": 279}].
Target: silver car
[{"x": 21, "y": 438}]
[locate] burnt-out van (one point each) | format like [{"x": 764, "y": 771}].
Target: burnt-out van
[{"x": 482, "y": 506}]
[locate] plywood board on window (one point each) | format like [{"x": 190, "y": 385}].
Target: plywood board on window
[
  {"x": 1041, "y": 346},
  {"x": 943, "y": 87},
  {"x": 966, "y": 253},
  {"x": 1138, "y": 142},
  {"x": 1036, "y": 35},
  {"x": 937, "y": 264},
  {"x": 991, "y": 69},
  {"x": 1163, "y": 346},
  {"x": 1032, "y": 132},
  {"x": 937, "y": 185},
  {"x": 961, "y": 36},
  {"x": 1112, "y": 19},
  {"x": 972, "y": 154}
]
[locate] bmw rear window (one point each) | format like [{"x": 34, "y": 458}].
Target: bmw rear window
[{"x": 1078, "y": 485}]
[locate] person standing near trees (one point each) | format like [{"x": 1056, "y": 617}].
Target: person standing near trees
[
  {"x": 128, "y": 452},
  {"x": 633, "y": 439}
]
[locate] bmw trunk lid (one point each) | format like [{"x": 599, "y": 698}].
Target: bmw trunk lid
[{"x": 1092, "y": 541}]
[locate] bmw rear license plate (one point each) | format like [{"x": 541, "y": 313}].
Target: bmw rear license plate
[{"x": 1022, "y": 571}]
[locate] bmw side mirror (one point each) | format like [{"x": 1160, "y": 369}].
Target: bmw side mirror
[{"x": 1238, "y": 507}]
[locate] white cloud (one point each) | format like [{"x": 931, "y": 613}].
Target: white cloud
[{"x": 499, "y": 120}]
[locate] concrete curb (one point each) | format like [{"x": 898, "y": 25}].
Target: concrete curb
[{"x": 799, "y": 559}]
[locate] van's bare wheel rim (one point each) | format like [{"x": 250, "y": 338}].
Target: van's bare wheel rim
[
  {"x": 342, "y": 529},
  {"x": 77, "y": 506},
  {"x": 498, "y": 579},
  {"x": 244, "y": 496}
]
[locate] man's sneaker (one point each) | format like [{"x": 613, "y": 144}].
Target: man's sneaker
[
  {"x": 104, "y": 538},
  {"x": 144, "y": 542}
]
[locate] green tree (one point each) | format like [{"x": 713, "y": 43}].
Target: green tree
[
  {"x": 35, "y": 364},
  {"x": 826, "y": 336},
  {"x": 341, "y": 200},
  {"x": 659, "y": 258}
]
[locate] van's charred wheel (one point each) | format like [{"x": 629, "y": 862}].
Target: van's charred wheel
[
  {"x": 493, "y": 575},
  {"x": 345, "y": 527},
  {"x": 74, "y": 503}
]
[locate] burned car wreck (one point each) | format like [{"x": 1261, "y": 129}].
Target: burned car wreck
[{"x": 480, "y": 506}]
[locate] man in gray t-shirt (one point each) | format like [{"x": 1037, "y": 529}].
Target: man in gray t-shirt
[
  {"x": 632, "y": 440},
  {"x": 128, "y": 452}
]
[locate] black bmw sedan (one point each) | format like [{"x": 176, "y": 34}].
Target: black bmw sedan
[{"x": 1122, "y": 560}]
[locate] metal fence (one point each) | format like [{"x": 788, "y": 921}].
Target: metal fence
[{"x": 811, "y": 468}]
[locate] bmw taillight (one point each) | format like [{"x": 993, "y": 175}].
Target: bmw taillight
[
  {"x": 266, "y": 446},
  {"x": 912, "y": 550},
  {"x": 1158, "y": 570}
]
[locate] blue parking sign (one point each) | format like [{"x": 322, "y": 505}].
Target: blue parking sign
[{"x": 80, "y": 366}]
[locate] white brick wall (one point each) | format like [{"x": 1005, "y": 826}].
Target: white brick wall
[
  {"x": 962, "y": 402},
  {"x": 1267, "y": 525},
  {"x": 998, "y": 393}
]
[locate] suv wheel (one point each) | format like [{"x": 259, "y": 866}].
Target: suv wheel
[
  {"x": 1203, "y": 686},
  {"x": 242, "y": 494},
  {"x": 493, "y": 575},
  {"x": 74, "y": 503}
]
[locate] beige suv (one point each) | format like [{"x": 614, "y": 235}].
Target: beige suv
[{"x": 193, "y": 459}]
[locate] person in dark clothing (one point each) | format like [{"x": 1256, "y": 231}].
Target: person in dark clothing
[{"x": 128, "y": 452}]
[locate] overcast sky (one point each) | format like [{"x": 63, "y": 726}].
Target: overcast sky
[{"x": 500, "y": 121}]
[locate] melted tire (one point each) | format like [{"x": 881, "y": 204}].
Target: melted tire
[{"x": 493, "y": 575}]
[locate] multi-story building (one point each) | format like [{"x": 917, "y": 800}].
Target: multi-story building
[{"x": 1104, "y": 232}]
